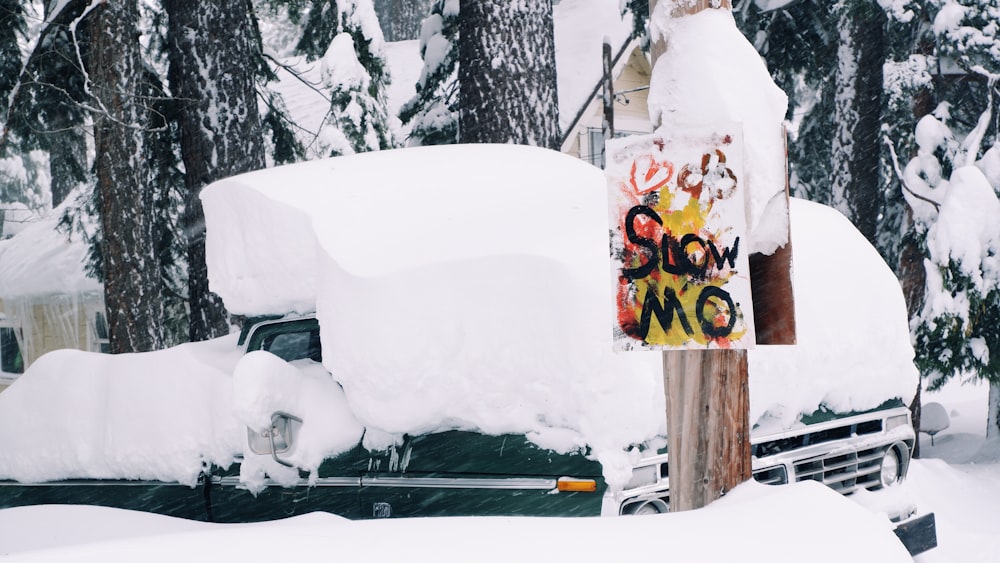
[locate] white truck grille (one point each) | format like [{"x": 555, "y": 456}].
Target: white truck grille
[{"x": 844, "y": 472}]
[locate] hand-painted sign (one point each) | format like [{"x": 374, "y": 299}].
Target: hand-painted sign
[{"x": 678, "y": 240}]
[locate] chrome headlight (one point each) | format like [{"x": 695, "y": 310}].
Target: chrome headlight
[
  {"x": 891, "y": 472},
  {"x": 642, "y": 476}
]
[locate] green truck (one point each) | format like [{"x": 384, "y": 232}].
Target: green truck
[{"x": 399, "y": 458}]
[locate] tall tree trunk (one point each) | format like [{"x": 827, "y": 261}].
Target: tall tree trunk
[
  {"x": 858, "y": 108},
  {"x": 506, "y": 73},
  {"x": 401, "y": 19},
  {"x": 213, "y": 51},
  {"x": 132, "y": 284},
  {"x": 993, "y": 412}
]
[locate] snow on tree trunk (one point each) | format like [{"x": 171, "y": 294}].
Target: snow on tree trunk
[
  {"x": 433, "y": 112},
  {"x": 132, "y": 283},
  {"x": 507, "y": 74},
  {"x": 212, "y": 52},
  {"x": 857, "y": 118}
]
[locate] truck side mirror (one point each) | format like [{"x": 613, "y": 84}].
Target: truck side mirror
[{"x": 277, "y": 439}]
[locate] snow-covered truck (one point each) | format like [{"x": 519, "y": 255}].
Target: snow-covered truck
[{"x": 429, "y": 333}]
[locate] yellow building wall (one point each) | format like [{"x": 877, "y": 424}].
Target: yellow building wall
[
  {"x": 631, "y": 110},
  {"x": 52, "y": 323},
  {"x": 64, "y": 327}
]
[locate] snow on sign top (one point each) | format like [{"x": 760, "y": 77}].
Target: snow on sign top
[{"x": 699, "y": 82}]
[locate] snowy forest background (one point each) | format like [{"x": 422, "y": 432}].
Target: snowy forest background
[{"x": 116, "y": 114}]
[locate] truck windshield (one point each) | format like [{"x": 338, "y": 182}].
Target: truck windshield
[{"x": 291, "y": 346}]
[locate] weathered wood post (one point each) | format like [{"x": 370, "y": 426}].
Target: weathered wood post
[
  {"x": 707, "y": 394},
  {"x": 707, "y": 391},
  {"x": 607, "y": 98}
]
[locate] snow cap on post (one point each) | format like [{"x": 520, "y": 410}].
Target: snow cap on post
[{"x": 709, "y": 73}]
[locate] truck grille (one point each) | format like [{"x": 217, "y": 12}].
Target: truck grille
[
  {"x": 771, "y": 476},
  {"x": 846, "y": 472}
]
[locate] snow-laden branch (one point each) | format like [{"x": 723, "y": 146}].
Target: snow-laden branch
[{"x": 902, "y": 177}]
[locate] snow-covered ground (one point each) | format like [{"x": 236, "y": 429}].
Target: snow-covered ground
[
  {"x": 958, "y": 478},
  {"x": 756, "y": 522}
]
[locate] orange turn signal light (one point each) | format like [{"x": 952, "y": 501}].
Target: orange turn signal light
[{"x": 571, "y": 485}]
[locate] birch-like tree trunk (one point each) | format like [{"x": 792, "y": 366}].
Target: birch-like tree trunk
[
  {"x": 132, "y": 284},
  {"x": 213, "y": 53},
  {"x": 507, "y": 73}
]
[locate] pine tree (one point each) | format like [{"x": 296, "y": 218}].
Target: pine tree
[
  {"x": 506, "y": 73},
  {"x": 956, "y": 333},
  {"x": 281, "y": 17},
  {"x": 132, "y": 284},
  {"x": 857, "y": 114},
  {"x": 346, "y": 35},
  {"x": 12, "y": 26},
  {"x": 46, "y": 112},
  {"x": 220, "y": 130},
  {"x": 433, "y": 112},
  {"x": 65, "y": 135},
  {"x": 801, "y": 54}
]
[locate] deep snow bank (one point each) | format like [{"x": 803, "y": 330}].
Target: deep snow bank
[
  {"x": 157, "y": 415},
  {"x": 853, "y": 349},
  {"x": 801, "y": 522}
]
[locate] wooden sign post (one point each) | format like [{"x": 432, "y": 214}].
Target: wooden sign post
[
  {"x": 706, "y": 384},
  {"x": 708, "y": 410},
  {"x": 682, "y": 278}
]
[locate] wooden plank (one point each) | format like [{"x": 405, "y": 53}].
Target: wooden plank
[{"x": 773, "y": 299}]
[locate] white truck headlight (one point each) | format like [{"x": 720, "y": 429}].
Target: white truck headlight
[{"x": 892, "y": 467}]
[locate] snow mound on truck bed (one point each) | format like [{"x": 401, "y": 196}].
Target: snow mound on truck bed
[
  {"x": 456, "y": 287},
  {"x": 467, "y": 286}
]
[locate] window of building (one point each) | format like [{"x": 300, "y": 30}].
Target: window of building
[
  {"x": 11, "y": 360},
  {"x": 592, "y": 149},
  {"x": 103, "y": 344}
]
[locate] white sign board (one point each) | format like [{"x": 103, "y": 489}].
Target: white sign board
[{"x": 678, "y": 240}]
